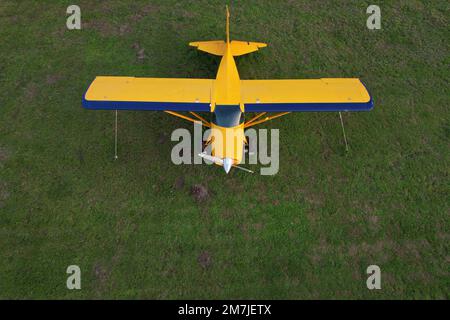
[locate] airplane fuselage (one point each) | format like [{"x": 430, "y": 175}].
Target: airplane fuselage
[{"x": 227, "y": 129}]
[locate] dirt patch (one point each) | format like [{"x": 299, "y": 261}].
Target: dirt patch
[
  {"x": 291, "y": 234},
  {"x": 162, "y": 138},
  {"x": 315, "y": 199},
  {"x": 226, "y": 213},
  {"x": 244, "y": 229},
  {"x": 105, "y": 28},
  {"x": 383, "y": 250},
  {"x": 150, "y": 8},
  {"x": 136, "y": 17},
  {"x": 53, "y": 78},
  {"x": 141, "y": 55},
  {"x": 442, "y": 235},
  {"x": 31, "y": 91},
  {"x": 373, "y": 222},
  {"x": 311, "y": 215},
  {"x": 323, "y": 247},
  {"x": 315, "y": 258},
  {"x": 319, "y": 250},
  {"x": 200, "y": 193},
  {"x": 355, "y": 232},
  {"x": 413, "y": 248},
  {"x": 147, "y": 10},
  {"x": 124, "y": 29},
  {"x": 4, "y": 155},
  {"x": 179, "y": 183},
  {"x": 140, "y": 52},
  {"x": 258, "y": 226},
  {"x": 353, "y": 250},
  {"x": 235, "y": 187},
  {"x": 188, "y": 14},
  {"x": 101, "y": 274},
  {"x": 80, "y": 155},
  {"x": 4, "y": 194},
  {"x": 356, "y": 275},
  {"x": 119, "y": 253},
  {"x": 205, "y": 260},
  {"x": 13, "y": 19},
  {"x": 380, "y": 251}
]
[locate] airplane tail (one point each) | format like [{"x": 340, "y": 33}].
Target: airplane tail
[
  {"x": 228, "y": 24},
  {"x": 219, "y": 47}
]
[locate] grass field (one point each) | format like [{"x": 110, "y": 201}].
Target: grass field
[{"x": 133, "y": 226}]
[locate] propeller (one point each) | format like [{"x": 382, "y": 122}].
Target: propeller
[
  {"x": 226, "y": 163},
  {"x": 244, "y": 169},
  {"x": 208, "y": 157}
]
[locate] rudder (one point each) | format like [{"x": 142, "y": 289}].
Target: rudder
[{"x": 219, "y": 47}]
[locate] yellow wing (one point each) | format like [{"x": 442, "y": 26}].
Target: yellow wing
[
  {"x": 305, "y": 95},
  {"x": 130, "y": 93}
]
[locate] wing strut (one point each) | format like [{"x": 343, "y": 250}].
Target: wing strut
[
  {"x": 343, "y": 131},
  {"x": 206, "y": 123},
  {"x": 179, "y": 115},
  {"x": 252, "y": 122},
  {"x": 115, "y": 140},
  {"x": 259, "y": 115}
]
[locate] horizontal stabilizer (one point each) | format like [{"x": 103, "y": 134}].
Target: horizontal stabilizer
[
  {"x": 213, "y": 47},
  {"x": 218, "y": 48},
  {"x": 239, "y": 48}
]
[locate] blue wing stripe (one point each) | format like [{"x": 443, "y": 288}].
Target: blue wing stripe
[
  {"x": 145, "y": 106},
  {"x": 308, "y": 107}
]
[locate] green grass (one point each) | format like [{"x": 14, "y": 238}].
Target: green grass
[{"x": 308, "y": 232}]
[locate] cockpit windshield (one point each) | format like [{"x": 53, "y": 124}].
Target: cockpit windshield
[{"x": 227, "y": 116}]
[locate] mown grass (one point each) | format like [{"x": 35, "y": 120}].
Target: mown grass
[{"x": 308, "y": 232}]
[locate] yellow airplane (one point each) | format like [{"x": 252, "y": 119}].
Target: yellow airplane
[{"x": 227, "y": 97}]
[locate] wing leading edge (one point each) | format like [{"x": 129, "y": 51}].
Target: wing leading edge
[
  {"x": 130, "y": 93},
  {"x": 334, "y": 94}
]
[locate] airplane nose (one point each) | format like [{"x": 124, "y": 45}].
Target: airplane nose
[{"x": 227, "y": 163}]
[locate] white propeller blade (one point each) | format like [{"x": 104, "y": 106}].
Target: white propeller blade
[
  {"x": 219, "y": 161},
  {"x": 245, "y": 169},
  {"x": 211, "y": 158}
]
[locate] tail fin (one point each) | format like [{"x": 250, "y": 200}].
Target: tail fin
[
  {"x": 228, "y": 25},
  {"x": 218, "y": 48}
]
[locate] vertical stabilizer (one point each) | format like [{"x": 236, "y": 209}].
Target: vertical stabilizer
[
  {"x": 228, "y": 25},
  {"x": 219, "y": 47}
]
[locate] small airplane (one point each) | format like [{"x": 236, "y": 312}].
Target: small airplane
[{"x": 227, "y": 98}]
